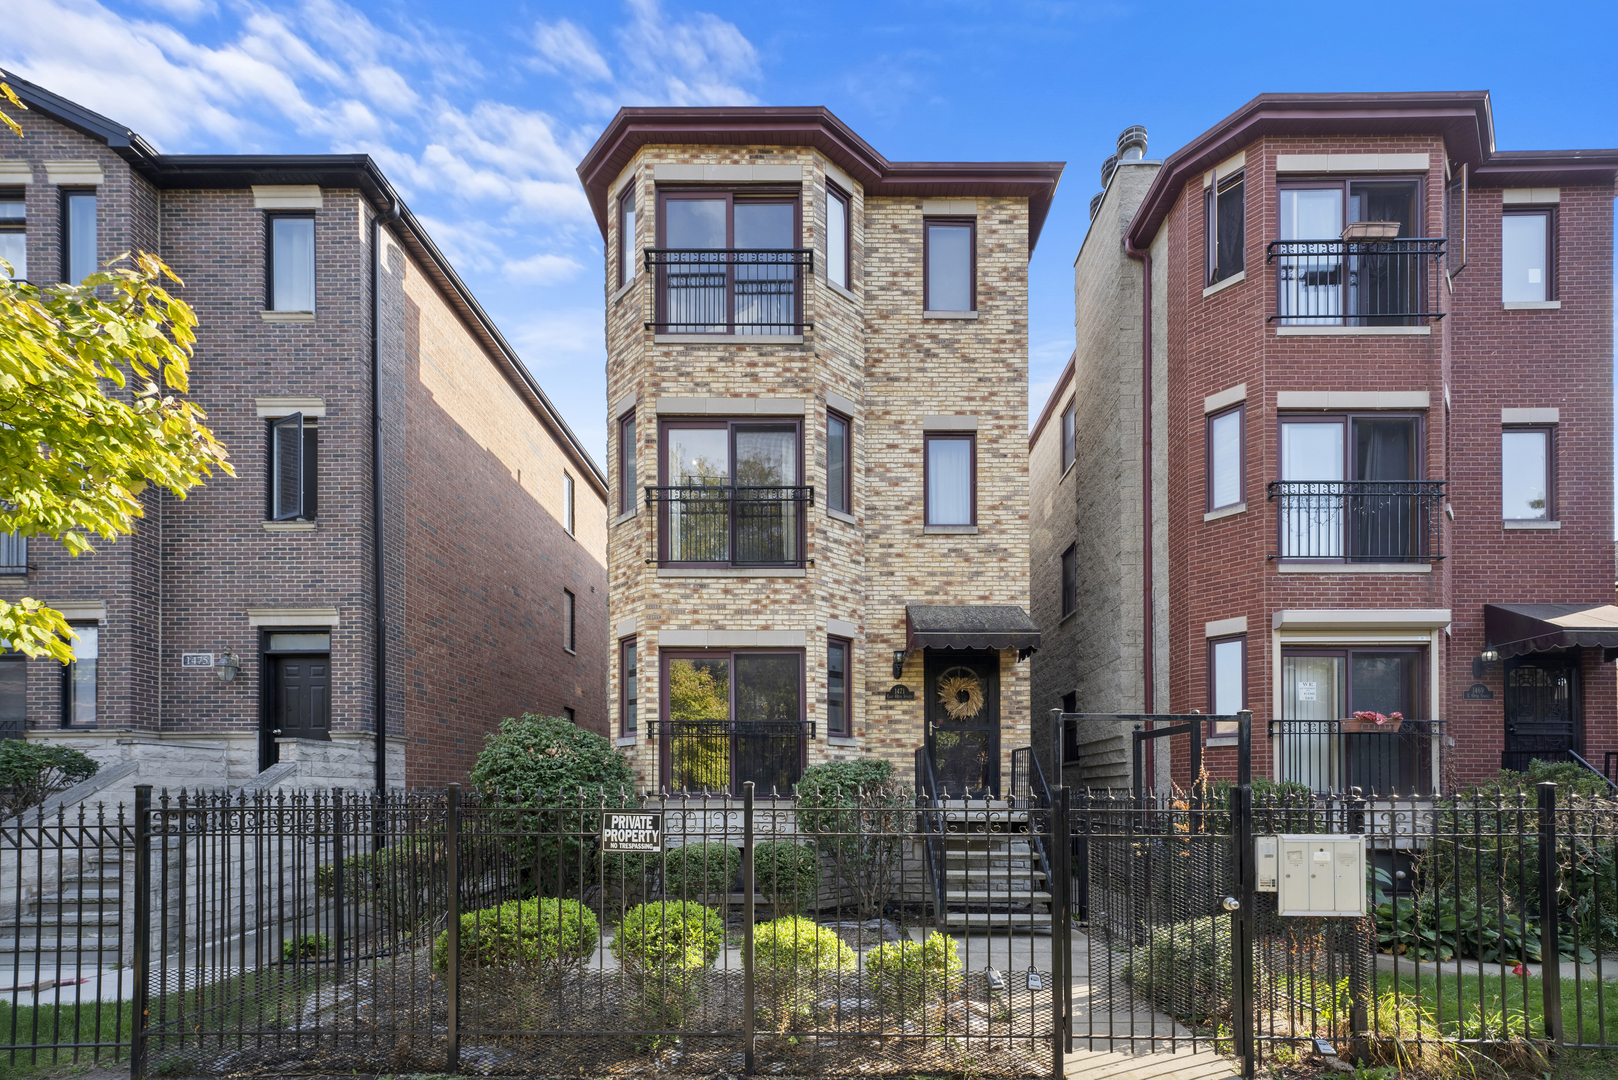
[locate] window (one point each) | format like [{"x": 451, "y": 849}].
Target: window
[
  {"x": 1527, "y": 255},
  {"x": 1224, "y": 227},
  {"x": 1527, "y": 474},
  {"x": 1070, "y": 580},
  {"x": 294, "y": 459},
  {"x": 1070, "y": 434},
  {"x": 569, "y": 640},
  {"x": 567, "y": 502},
  {"x": 1326, "y": 276},
  {"x": 951, "y": 263},
  {"x": 78, "y": 234},
  {"x": 732, "y": 493},
  {"x": 838, "y": 721},
  {"x": 79, "y": 678},
  {"x": 733, "y": 717},
  {"x": 729, "y": 263},
  {"x": 626, "y": 465},
  {"x": 950, "y": 481},
  {"x": 628, "y": 689},
  {"x": 837, "y": 236},
  {"x": 1227, "y": 680},
  {"x": 626, "y": 234},
  {"x": 14, "y": 232},
  {"x": 13, "y": 555},
  {"x": 839, "y": 470},
  {"x": 291, "y": 262},
  {"x": 568, "y": 715},
  {"x": 1350, "y": 489},
  {"x": 1225, "y": 454},
  {"x": 1322, "y": 686},
  {"x": 13, "y": 695}
]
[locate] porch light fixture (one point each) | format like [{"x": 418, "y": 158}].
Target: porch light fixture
[
  {"x": 226, "y": 666},
  {"x": 1489, "y": 655},
  {"x": 898, "y": 663}
]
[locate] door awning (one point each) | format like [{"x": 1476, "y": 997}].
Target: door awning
[
  {"x": 969, "y": 626},
  {"x": 1520, "y": 629}
]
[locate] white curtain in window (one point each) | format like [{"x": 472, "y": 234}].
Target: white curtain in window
[
  {"x": 1312, "y": 282},
  {"x": 1313, "y": 697},
  {"x": 949, "y": 482},
  {"x": 1312, "y": 522},
  {"x": 1227, "y": 459},
  {"x": 294, "y": 258}
]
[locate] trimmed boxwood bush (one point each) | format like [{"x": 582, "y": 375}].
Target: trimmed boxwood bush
[
  {"x": 787, "y": 874},
  {"x": 792, "y": 953},
  {"x": 544, "y": 932},
  {"x": 699, "y": 871},
  {"x": 668, "y": 936},
  {"x": 1184, "y": 969},
  {"x": 909, "y": 976}
]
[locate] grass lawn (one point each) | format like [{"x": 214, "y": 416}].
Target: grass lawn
[
  {"x": 1489, "y": 1007},
  {"x": 26, "y": 1025}
]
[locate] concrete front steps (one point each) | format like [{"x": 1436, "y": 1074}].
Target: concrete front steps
[
  {"x": 78, "y": 924},
  {"x": 994, "y": 877}
]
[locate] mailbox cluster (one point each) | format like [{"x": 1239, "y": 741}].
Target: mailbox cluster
[{"x": 1313, "y": 875}]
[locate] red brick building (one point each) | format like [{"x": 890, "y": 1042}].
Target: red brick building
[
  {"x": 1377, "y": 406},
  {"x": 414, "y": 543}
]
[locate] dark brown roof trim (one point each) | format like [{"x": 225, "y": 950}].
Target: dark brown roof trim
[
  {"x": 815, "y": 127},
  {"x": 1056, "y": 395},
  {"x": 356, "y": 171}
]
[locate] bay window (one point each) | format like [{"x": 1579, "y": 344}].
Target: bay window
[
  {"x": 729, "y": 263},
  {"x": 731, "y": 492},
  {"x": 732, "y": 717}
]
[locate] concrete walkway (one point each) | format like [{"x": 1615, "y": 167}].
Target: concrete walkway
[{"x": 1162, "y": 1065}]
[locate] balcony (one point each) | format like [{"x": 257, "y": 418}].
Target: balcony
[
  {"x": 1331, "y": 760},
  {"x": 1355, "y": 282},
  {"x": 1359, "y": 521},
  {"x": 729, "y": 525},
  {"x": 704, "y": 291},
  {"x": 716, "y": 757}
]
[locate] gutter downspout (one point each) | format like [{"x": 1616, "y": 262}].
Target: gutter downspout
[
  {"x": 1145, "y": 257},
  {"x": 381, "y": 674}
]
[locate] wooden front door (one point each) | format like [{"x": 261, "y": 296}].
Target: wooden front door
[
  {"x": 1542, "y": 708},
  {"x": 300, "y": 699},
  {"x": 963, "y": 722}
]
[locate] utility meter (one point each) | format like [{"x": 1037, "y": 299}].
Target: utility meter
[{"x": 1314, "y": 875}]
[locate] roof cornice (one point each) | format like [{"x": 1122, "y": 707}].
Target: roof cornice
[{"x": 819, "y": 128}]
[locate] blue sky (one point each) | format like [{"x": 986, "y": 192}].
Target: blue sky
[{"x": 480, "y": 112}]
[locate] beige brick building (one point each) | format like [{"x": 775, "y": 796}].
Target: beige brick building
[{"x": 817, "y": 378}]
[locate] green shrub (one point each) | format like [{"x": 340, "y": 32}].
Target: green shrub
[
  {"x": 545, "y": 932},
  {"x": 1570, "y": 778},
  {"x": 791, "y": 954},
  {"x": 855, "y": 812},
  {"x": 306, "y": 947},
  {"x": 787, "y": 874},
  {"x": 910, "y": 977},
  {"x": 699, "y": 871},
  {"x": 668, "y": 936},
  {"x": 1184, "y": 969},
  {"x": 31, "y": 772}
]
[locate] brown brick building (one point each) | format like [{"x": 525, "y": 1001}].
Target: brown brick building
[
  {"x": 817, "y": 376},
  {"x": 414, "y": 544},
  {"x": 1376, "y": 431}
]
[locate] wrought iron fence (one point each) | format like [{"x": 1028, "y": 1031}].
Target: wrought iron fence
[
  {"x": 719, "y": 757},
  {"x": 1358, "y": 520},
  {"x": 728, "y": 291},
  {"x": 731, "y": 525},
  {"x": 1331, "y": 755},
  {"x": 1355, "y": 283}
]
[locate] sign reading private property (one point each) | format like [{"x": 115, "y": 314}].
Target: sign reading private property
[{"x": 640, "y": 832}]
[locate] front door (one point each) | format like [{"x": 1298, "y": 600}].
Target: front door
[
  {"x": 300, "y": 700},
  {"x": 1542, "y": 708},
  {"x": 963, "y": 722}
]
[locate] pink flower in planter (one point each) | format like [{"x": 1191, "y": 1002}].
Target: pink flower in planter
[
  {"x": 1519, "y": 970},
  {"x": 1377, "y": 718}
]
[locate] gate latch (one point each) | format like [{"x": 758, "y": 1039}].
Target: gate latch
[{"x": 1230, "y": 903}]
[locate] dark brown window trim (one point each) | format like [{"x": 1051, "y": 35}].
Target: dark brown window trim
[
  {"x": 666, "y": 656},
  {"x": 1210, "y": 228},
  {"x": 1551, "y": 440},
  {"x": 1070, "y": 587},
  {"x": 834, "y": 191},
  {"x": 1215, "y": 730},
  {"x": 628, "y": 471},
  {"x": 627, "y": 725},
  {"x": 1423, "y": 688},
  {"x": 1347, "y": 420},
  {"x": 67, "y": 681},
  {"x": 270, "y": 217},
  {"x": 846, "y": 731},
  {"x": 729, "y": 424},
  {"x": 767, "y": 193},
  {"x": 972, "y": 466},
  {"x": 1295, "y": 182},
  {"x": 926, "y": 258},
  {"x": 846, "y": 495},
  {"x": 1550, "y": 212},
  {"x": 64, "y": 235},
  {"x": 1240, "y": 409},
  {"x": 626, "y": 244}
]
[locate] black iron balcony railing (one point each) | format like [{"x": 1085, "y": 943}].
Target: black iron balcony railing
[
  {"x": 1331, "y": 758},
  {"x": 730, "y": 525},
  {"x": 1355, "y": 282},
  {"x": 719, "y": 756},
  {"x": 699, "y": 291},
  {"x": 13, "y": 555},
  {"x": 1383, "y": 521}
]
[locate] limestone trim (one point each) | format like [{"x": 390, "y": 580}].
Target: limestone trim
[
  {"x": 287, "y": 197},
  {"x": 292, "y": 616},
  {"x": 668, "y": 172},
  {"x": 1361, "y": 619},
  {"x": 733, "y": 639},
  {"x": 838, "y": 515},
  {"x": 839, "y": 177},
  {"x": 13, "y": 173},
  {"x": 1531, "y": 416},
  {"x": 1530, "y": 196},
  {"x": 957, "y": 315},
  {"x": 618, "y": 294},
  {"x": 949, "y": 422},
  {"x": 1224, "y": 399},
  {"x": 625, "y": 403},
  {"x": 287, "y": 316},
  {"x": 840, "y": 291},
  {"x": 1221, "y": 286},
  {"x": 289, "y": 526},
  {"x": 1531, "y": 526},
  {"x": 81, "y": 610},
  {"x": 736, "y": 406},
  {"x": 624, "y": 741},
  {"x": 949, "y": 530},
  {"x": 1340, "y": 399},
  {"x": 275, "y": 407},
  {"x": 842, "y": 628},
  {"x": 1225, "y": 627},
  {"x": 624, "y": 627},
  {"x": 1225, "y": 511},
  {"x": 841, "y": 404},
  {"x": 1353, "y": 568},
  {"x": 1329, "y": 163},
  {"x": 1353, "y": 331},
  {"x": 70, "y": 173},
  {"x": 949, "y": 207},
  {"x": 1531, "y": 305}
]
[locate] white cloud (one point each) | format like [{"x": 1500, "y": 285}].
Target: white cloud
[
  {"x": 698, "y": 60},
  {"x": 542, "y": 269},
  {"x": 568, "y": 48},
  {"x": 184, "y": 9}
]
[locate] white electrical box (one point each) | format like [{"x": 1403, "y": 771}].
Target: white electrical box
[{"x": 1317, "y": 875}]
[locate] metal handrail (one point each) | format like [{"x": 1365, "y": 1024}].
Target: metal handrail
[
  {"x": 1358, "y": 520},
  {"x": 931, "y": 822},
  {"x": 750, "y": 291},
  {"x": 1355, "y": 282},
  {"x": 1039, "y": 796},
  {"x": 1576, "y": 756},
  {"x": 731, "y": 524}
]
